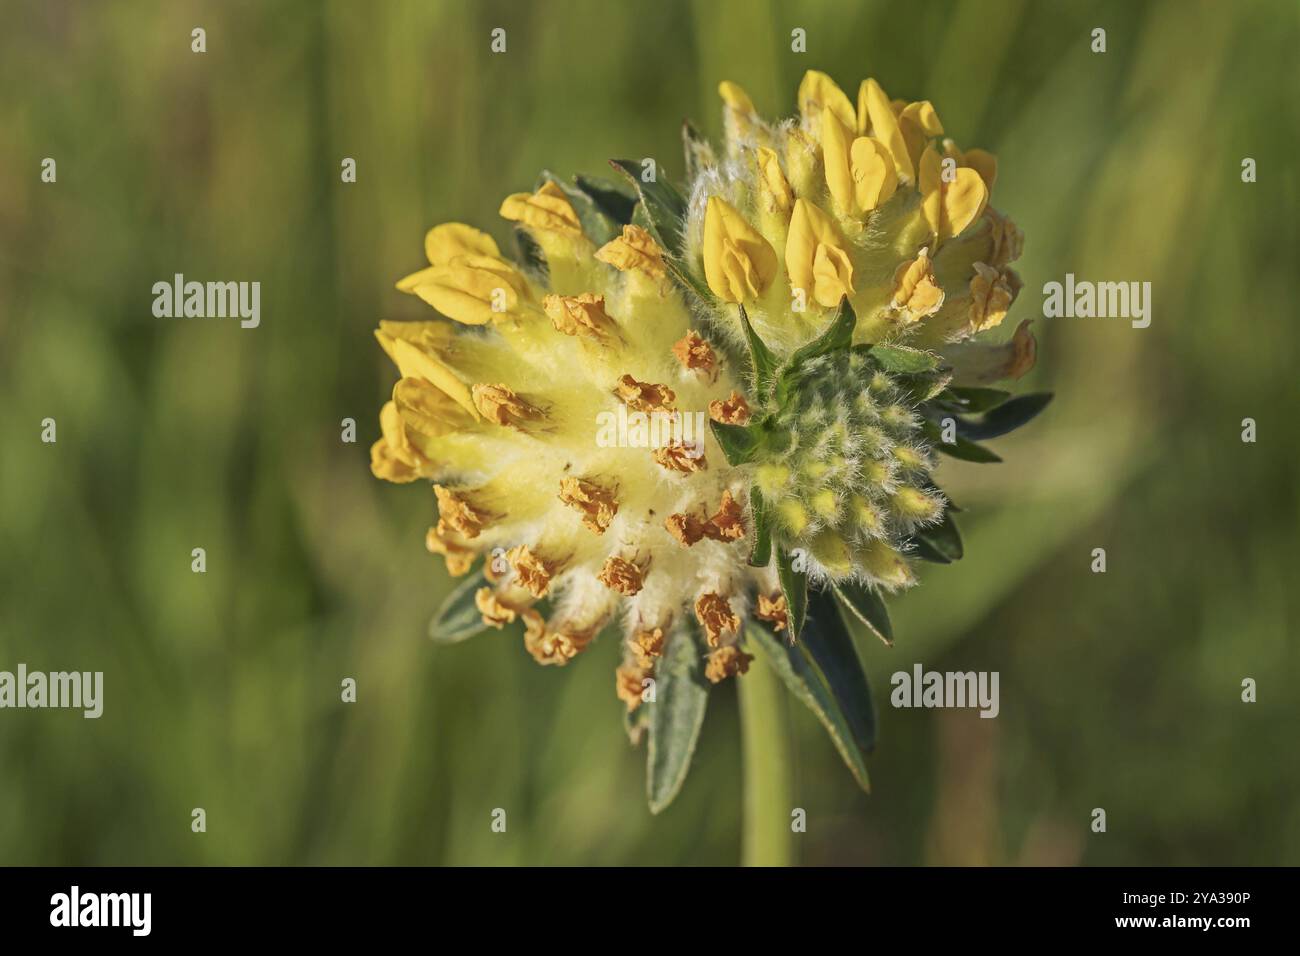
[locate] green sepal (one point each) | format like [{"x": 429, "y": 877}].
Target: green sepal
[
  {"x": 675, "y": 715},
  {"x": 865, "y": 603},
  {"x": 838, "y": 336},
  {"x": 901, "y": 360},
  {"x": 794, "y": 585},
  {"x": 740, "y": 444},
  {"x": 796, "y": 669},
  {"x": 760, "y": 555},
  {"x": 760, "y": 356}
]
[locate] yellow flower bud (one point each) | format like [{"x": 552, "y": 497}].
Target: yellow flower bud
[
  {"x": 451, "y": 239},
  {"x": 739, "y": 264},
  {"x": 992, "y": 292},
  {"x": 427, "y": 409},
  {"x": 876, "y": 117},
  {"x": 547, "y": 209},
  {"x": 817, "y": 91},
  {"x": 817, "y": 257},
  {"x": 393, "y": 457},
  {"x": 949, "y": 207},
  {"x": 801, "y": 161},
  {"x": 473, "y": 290}
]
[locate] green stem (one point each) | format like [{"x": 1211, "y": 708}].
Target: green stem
[{"x": 766, "y": 838}]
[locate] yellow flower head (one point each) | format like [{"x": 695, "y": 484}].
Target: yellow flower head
[{"x": 687, "y": 414}]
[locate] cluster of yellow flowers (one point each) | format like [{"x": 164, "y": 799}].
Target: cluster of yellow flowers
[{"x": 868, "y": 204}]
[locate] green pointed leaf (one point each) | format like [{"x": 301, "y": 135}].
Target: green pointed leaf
[
  {"x": 664, "y": 206},
  {"x": 760, "y": 555},
  {"x": 865, "y": 604},
  {"x": 613, "y": 199},
  {"x": 794, "y": 585},
  {"x": 458, "y": 618},
  {"x": 836, "y": 337},
  {"x": 796, "y": 668},
  {"x": 962, "y": 448},
  {"x": 903, "y": 361},
  {"x": 1006, "y": 417},
  {"x": 739, "y": 443},
  {"x": 675, "y": 718},
  {"x": 831, "y": 647},
  {"x": 942, "y": 539},
  {"x": 760, "y": 355}
]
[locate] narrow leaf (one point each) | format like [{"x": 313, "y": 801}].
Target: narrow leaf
[
  {"x": 962, "y": 448},
  {"x": 831, "y": 647},
  {"x": 1006, "y": 417},
  {"x": 943, "y": 537},
  {"x": 796, "y": 669},
  {"x": 865, "y": 604},
  {"x": 794, "y": 585},
  {"x": 681, "y": 694}
]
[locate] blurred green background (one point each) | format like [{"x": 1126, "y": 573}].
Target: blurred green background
[{"x": 1118, "y": 690}]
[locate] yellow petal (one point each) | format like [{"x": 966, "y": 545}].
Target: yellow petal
[
  {"x": 739, "y": 264},
  {"x": 875, "y": 177},
  {"x": 443, "y": 243},
  {"x": 876, "y": 117},
  {"x": 473, "y": 290},
  {"x": 949, "y": 207},
  {"x": 817, "y": 91},
  {"x": 427, "y": 409},
  {"x": 835, "y": 154},
  {"x": 413, "y": 362},
  {"x": 548, "y": 209},
  {"x": 816, "y": 256},
  {"x": 919, "y": 123},
  {"x": 984, "y": 163}
]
